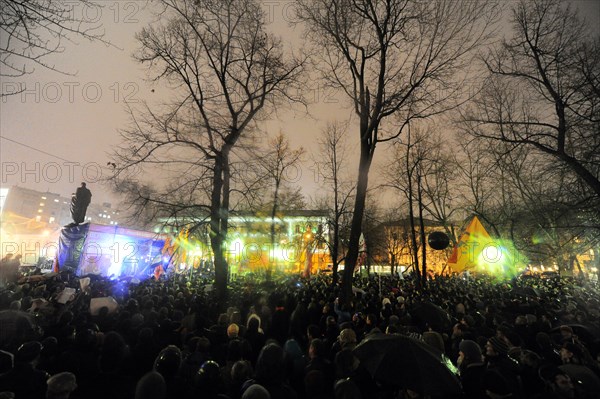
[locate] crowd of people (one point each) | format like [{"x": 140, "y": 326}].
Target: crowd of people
[
  {"x": 293, "y": 338},
  {"x": 9, "y": 268}
]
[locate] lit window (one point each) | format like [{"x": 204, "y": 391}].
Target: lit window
[
  {"x": 108, "y": 216},
  {"x": 43, "y": 197},
  {"x": 56, "y": 200},
  {"x": 39, "y": 211},
  {"x": 42, "y": 204},
  {"x": 38, "y": 218},
  {"x": 51, "y": 220}
]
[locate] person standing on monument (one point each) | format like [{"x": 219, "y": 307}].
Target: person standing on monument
[{"x": 79, "y": 203}]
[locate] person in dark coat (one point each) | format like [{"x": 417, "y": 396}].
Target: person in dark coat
[
  {"x": 496, "y": 353},
  {"x": 298, "y": 323},
  {"x": 167, "y": 364},
  {"x": 558, "y": 384},
  {"x": 80, "y": 202},
  {"x": 255, "y": 337},
  {"x": 114, "y": 379},
  {"x": 145, "y": 352},
  {"x": 471, "y": 369},
  {"x": 280, "y": 325},
  {"x": 270, "y": 372},
  {"x": 24, "y": 380},
  {"x": 317, "y": 354}
]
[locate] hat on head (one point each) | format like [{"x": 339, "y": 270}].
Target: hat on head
[
  {"x": 470, "y": 349},
  {"x": 151, "y": 386},
  {"x": 500, "y": 347},
  {"x": 168, "y": 361},
  {"x": 256, "y": 391},
  {"x": 346, "y": 388},
  {"x": 62, "y": 383}
]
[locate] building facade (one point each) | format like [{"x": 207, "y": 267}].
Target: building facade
[
  {"x": 30, "y": 221},
  {"x": 292, "y": 242},
  {"x": 52, "y": 208}
]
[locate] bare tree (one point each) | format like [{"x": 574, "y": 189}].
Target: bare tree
[
  {"x": 530, "y": 203},
  {"x": 32, "y": 31},
  {"x": 395, "y": 61},
  {"x": 331, "y": 163},
  {"x": 475, "y": 181},
  {"x": 409, "y": 166},
  {"x": 543, "y": 90},
  {"x": 422, "y": 171},
  {"x": 543, "y": 217},
  {"x": 438, "y": 184},
  {"x": 226, "y": 70},
  {"x": 277, "y": 163},
  {"x": 393, "y": 238}
]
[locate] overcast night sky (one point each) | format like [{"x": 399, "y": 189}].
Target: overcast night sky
[{"x": 63, "y": 119}]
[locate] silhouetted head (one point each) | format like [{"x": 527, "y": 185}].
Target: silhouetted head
[{"x": 168, "y": 361}]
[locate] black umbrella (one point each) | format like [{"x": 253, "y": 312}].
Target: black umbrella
[
  {"x": 431, "y": 314},
  {"x": 587, "y": 334},
  {"x": 405, "y": 362},
  {"x": 583, "y": 377},
  {"x": 525, "y": 291}
]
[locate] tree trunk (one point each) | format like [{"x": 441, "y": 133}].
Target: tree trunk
[
  {"x": 357, "y": 216},
  {"x": 422, "y": 232},
  {"x": 219, "y": 215},
  {"x": 411, "y": 215},
  {"x": 273, "y": 212},
  {"x": 413, "y": 237},
  {"x": 335, "y": 248}
]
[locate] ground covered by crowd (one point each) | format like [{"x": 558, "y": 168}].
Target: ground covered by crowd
[{"x": 64, "y": 336}]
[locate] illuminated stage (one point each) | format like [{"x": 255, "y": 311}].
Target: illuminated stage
[{"x": 109, "y": 251}]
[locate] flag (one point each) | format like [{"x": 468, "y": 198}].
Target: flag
[
  {"x": 466, "y": 250},
  {"x": 478, "y": 252},
  {"x": 55, "y": 265}
]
